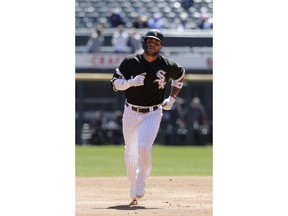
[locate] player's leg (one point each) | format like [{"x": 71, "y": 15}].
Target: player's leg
[
  {"x": 130, "y": 131},
  {"x": 147, "y": 135}
]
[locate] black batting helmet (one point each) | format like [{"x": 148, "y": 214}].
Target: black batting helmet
[{"x": 154, "y": 33}]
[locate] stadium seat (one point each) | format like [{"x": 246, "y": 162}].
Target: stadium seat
[{"x": 89, "y": 13}]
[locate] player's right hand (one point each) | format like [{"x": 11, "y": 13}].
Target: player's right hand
[{"x": 138, "y": 80}]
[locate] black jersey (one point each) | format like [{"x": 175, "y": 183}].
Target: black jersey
[{"x": 158, "y": 74}]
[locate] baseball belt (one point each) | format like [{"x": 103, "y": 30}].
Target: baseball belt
[{"x": 141, "y": 109}]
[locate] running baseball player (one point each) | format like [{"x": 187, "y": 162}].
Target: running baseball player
[{"x": 143, "y": 77}]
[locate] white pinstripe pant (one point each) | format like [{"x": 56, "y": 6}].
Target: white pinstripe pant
[{"x": 139, "y": 131}]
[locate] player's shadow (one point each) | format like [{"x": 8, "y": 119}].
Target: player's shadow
[{"x": 128, "y": 207}]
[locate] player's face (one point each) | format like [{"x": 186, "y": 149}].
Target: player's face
[{"x": 153, "y": 46}]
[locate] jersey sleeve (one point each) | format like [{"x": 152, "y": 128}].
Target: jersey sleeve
[
  {"x": 118, "y": 74},
  {"x": 123, "y": 69},
  {"x": 178, "y": 72}
]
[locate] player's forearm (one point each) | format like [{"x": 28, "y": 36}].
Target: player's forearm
[
  {"x": 174, "y": 92},
  {"x": 120, "y": 84},
  {"x": 176, "y": 88}
]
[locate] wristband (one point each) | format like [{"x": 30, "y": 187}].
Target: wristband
[{"x": 177, "y": 84}]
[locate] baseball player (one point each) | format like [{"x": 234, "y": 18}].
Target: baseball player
[{"x": 143, "y": 77}]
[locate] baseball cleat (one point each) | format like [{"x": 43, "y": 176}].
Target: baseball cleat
[{"x": 133, "y": 202}]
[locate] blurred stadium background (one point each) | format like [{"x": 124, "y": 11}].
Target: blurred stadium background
[{"x": 98, "y": 108}]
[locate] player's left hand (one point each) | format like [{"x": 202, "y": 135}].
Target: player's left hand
[{"x": 168, "y": 103}]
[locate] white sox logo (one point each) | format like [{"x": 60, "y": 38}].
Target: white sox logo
[
  {"x": 161, "y": 81},
  {"x": 154, "y": 32}
]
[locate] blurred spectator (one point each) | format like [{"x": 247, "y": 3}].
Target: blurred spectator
[
  {"x": 175, "y": 121},
  {"x": 204, "y": 21},
  {"x": 140, "y": 22},
  {"x": 118, "y": 136},
  {"x": 181, "y": 23},
  {"x": 120, "y": 40},
  {"x": 113, "y": 128},
  {"x": 156, "y": 22},
  {"x": 186, "y": 4},
  {"x": 196, "y": 122},
  {"x": 98, "y": 136},
  {"x": 135, "y": 41},
  {"x": 96, "y": 40},
  {"x": 86, "y": 134},
  {"x": 115, "y": 18}
]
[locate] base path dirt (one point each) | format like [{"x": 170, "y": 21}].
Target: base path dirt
[{"x": 165, "y": 196}]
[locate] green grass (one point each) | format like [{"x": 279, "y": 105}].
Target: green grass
[{"x": 167, "y": 161}]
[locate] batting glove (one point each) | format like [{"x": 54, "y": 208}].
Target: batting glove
[
  {"x": 168, "y": 103},
  {"x": 137, "y": 81}
]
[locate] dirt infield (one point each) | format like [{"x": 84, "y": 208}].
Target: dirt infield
[{"x": 165, "y": 196}]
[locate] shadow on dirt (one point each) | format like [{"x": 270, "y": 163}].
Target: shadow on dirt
[{"x": 128, "y": 207}]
